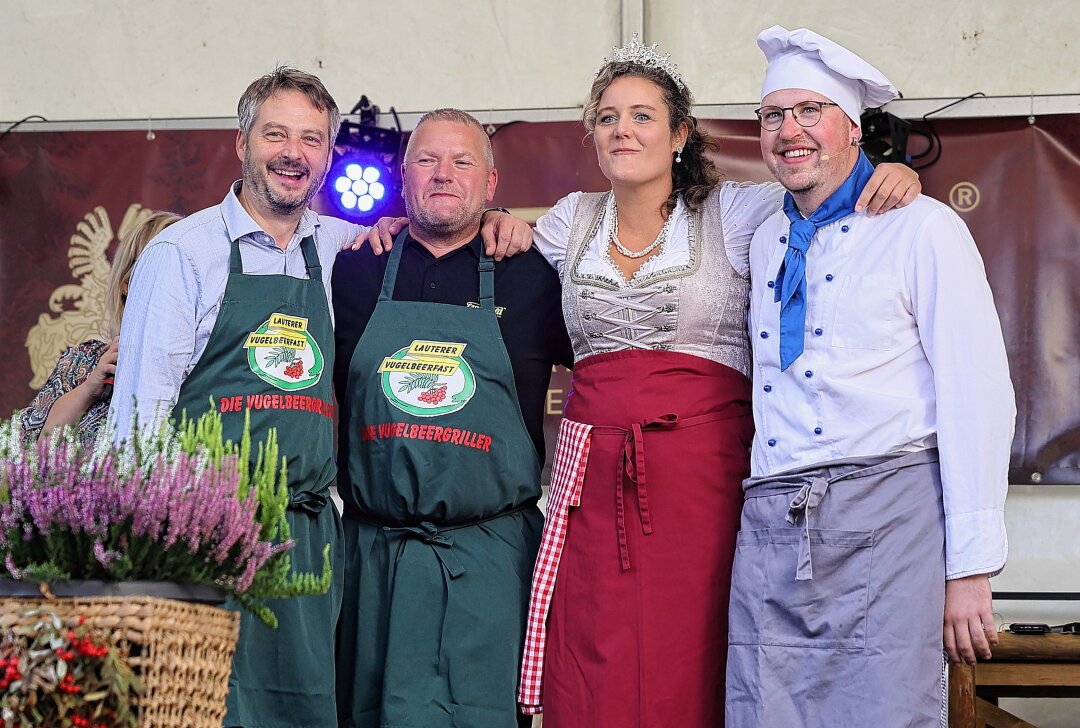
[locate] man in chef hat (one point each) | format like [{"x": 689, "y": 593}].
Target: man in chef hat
[{"x": 884, "y": 414}]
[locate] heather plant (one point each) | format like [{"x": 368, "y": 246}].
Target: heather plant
[{"x": 181, "y": 505}]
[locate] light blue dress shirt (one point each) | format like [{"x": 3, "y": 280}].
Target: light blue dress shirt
[{"x": 176, "y": 290}]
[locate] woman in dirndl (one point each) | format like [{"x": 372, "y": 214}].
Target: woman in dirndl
[{"x": 628, "y": 619}]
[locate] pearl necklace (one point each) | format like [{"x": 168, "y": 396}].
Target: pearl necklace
[{"x": 613, "y": 237}]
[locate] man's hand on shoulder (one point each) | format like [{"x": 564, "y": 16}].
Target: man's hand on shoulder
[
  {"x": 891, "y": 187},
  {"x": 969, "y": 619},
  {"x": 504, "y": 235},
  {"x": 380, "y": 238}
]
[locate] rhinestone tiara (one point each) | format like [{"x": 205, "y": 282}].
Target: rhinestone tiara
[{"x": 644, "y": 55}]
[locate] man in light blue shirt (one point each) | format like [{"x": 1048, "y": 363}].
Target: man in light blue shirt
[
  {"x": 177, "y": 287},
  {"x": 179, "y": 280},
  {"x": 229, "y": 308}
]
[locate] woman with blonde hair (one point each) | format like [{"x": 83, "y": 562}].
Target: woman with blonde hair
[
  {"x": 78, "y": 390},
  {"x": 628, "y": 620}
]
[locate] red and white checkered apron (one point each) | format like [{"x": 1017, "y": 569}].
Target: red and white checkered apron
[{"x": 567, "y": 476}]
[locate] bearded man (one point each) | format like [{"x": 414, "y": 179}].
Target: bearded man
[{"x": 259, "y": 263}]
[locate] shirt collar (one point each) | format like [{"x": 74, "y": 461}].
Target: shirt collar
[
  {"x": 474, "y": 247},
  {"x": 239, "y": 223}
]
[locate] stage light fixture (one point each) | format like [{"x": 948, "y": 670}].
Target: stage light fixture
[
  {"x": 884, "y": 137},
  {"x": 363, "y": 175},
  {"x": 359, "y": 187}
]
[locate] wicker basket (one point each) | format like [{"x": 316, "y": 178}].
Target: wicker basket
[{"x": 182, "y": 651}]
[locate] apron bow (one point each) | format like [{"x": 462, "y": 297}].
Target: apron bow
[
  {"x": 441, "y": 545},
  {"x": 805, "y": 501},
  {"x": 810, "y": 489},
  {"x": 632, "y": 469},
  {"x": 307, "y": 500}
]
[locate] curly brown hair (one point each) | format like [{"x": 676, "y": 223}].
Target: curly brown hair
[{"x": 696, "y": 175}]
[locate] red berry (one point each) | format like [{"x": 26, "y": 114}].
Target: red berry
[
  {"x": 434, "y": 395},
  {"x": 295, "y": 369}
]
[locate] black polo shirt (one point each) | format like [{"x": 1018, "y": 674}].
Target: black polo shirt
[{"x": 528, "y": 304}]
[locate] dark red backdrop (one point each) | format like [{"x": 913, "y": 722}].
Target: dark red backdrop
[{"x": 1014, "y": 184}]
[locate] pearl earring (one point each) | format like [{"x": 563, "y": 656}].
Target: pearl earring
[{"x": 678, "y": 154}]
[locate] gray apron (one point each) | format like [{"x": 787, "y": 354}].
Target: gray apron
[{"x": 837, "y": 597}]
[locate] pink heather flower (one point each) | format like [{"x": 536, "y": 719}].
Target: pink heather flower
[
  {"x": 105, "y": 558},
  {"x": 259, "y": 556},
  {"x": 12, "y": 569},
  {"x": 177, "y": 502},
  {"x": 280, "y": 548}
]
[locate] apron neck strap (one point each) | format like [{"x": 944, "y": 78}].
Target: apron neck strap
[
  {"x": 311, "y": 257},
  {"x": 307, "y": 247},
  {"x": 485, "y": 267},
  {"x": 390, "y": 275}
]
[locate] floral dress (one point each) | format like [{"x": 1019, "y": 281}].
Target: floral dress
[{"x": 73, "y": 368}]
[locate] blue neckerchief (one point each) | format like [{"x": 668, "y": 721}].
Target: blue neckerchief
[{"x": 791, "y": 278}]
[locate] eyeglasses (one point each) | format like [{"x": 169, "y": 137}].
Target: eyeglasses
[{"x": 805, "y": 114}]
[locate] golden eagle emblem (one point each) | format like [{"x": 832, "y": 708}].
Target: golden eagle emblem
[{"x": 78, "y": 309}]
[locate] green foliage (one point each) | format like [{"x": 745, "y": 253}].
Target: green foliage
[
  {"x": 418, "y": 381},
  {"x": 269, "y": 479},
  {"x": 280, "y": 355},
  {"x": 47, "y": 572}
]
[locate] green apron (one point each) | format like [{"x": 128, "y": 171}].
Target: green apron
[
  {"x": 271, "y": 350},
  {"x": 441, "y": 523}
]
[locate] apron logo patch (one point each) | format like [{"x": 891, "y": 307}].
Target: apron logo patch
[
  {"x": 428, "y": 378},
  {"x": 499, "y": 310},
  {"x": 283, "y": 354}
]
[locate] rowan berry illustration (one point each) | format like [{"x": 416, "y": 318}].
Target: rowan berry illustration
[
  {"x": 433, "y": 393},
  {"x": 285, "y": 355},
  {"x": 295, "y": 370}
]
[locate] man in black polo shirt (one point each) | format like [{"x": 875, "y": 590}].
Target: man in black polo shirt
[{"x": 443, "y": 363}]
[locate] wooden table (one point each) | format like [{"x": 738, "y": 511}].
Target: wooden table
[{"x": 1023, "y": 666}]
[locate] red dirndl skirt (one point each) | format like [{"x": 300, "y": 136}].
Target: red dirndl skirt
[{"x": 637, "y": 628}]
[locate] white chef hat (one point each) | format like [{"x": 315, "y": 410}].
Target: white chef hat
[{"x": 803, "y": 59}]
